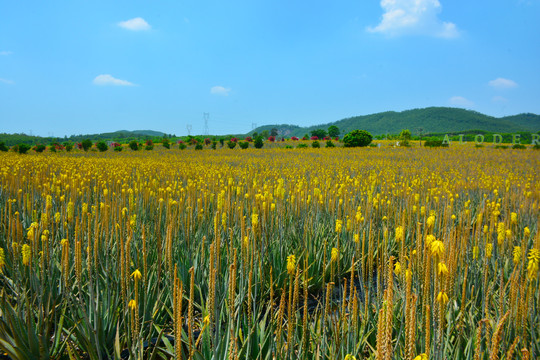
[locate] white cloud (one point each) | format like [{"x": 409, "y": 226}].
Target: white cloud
[
  {"x": 499, "y": 99},
  {"x": 460, "y": 101},
  {"x": 501, "y": 83},
  {"x": 6, "y": 81},
  {"x": 5, "y": 53},
  {"x": 413, "y": 17},
  {"x": 135, "y": 24},
  {"x": 220, "y": 90},
  {"x": 107, "y": 79}
]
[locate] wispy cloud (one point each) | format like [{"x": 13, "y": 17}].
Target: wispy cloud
[
  {"x": 5, "y": 53},
  {"x": 220, "y": 90},
  {"x": 107, "y": 79},
  {"x": 502, "y": 83},
  {"x": 135, "y": 24},
  {"x": 6, "y": 81},
  {"x": 413, "y": 17},
  {"x": 460, "y": 101}
]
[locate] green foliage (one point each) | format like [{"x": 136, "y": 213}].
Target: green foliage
[
  {"x": 243, "y": 144},
  {"x": 329, "y": 144},
  {"x": 320, "y": 133},
  {"x": 274, "y": 132},
  {"x": 315, "y": 144},
  {"x": 118, "y": 148},
  {"x": 102, "y": 146},
  {"x": 40, "y": 148},
  {"x": 302, "y": 146},
  {"x": 288, "y": 147},
  {"x": 434, "y": 142},
  {"x": 23, "y": 148},
  {"x": 333, "y": 131},
  {"x": 198, "y": 147},
  {"x": 519, "y": 146},
  {"x": 231, "y": 144},
  {"x": 165, "y": 142},
  {"x": 182, "y": 146},
  {"x": 3, "y": 146},
  {"x": 134, "y": 145},
  {"x": 214, "y": 144},
  {"x": 405, "y": 137},
  {"x": 68, "y": 145},
  {"x": 357, "y": 138},
  {"x": 258, "y": 143},
  {"x": 86, "y": 144}
]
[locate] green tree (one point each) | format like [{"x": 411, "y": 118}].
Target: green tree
[
  {"x": 86, "y": 144},
  {"x": 258, "y": 143},
  {"x": 243, "y": 144},
  {"x": 134, "y": 145},
  {"x": 102, "y": 146},
  {"x": 3, "y": 146},
  {"x": 23, "y": 148},
  {"x": 405, "y": 137},
  {"x": 231, "y": 144},
  {"x": 320, "y": 133},
  {"x": 274, "y": 132},
  {"x": 40, "y": 148},
  {"x": 333, "y": 131},
  {"x": 357, "y": 138}
]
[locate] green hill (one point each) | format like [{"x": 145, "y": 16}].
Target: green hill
[{"x": 428, "y": 121}]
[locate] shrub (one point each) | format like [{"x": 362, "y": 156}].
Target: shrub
[
  {"x": 248, "y": 138},
  {"x": 68, "y": 146},
  {"x": 357, "y": 138},
  {"x": 198, "y": 147},
  {"x": 133, "y": 145},
  {"x": 519, "y": 146},
  {"x": 258, "y": 143},
  {"x": 330, "y": 144},
  {"x": 234, "y": 139},
  {"x": 314, "y": 138},
  {"x": 52, "y": 148},
  {"x": 182, "y": 146},
  {"x": 271, "y": 138},
  {"x": 86, "y": 144},
  {"x": 102, "y": 146},
  {"x": 288, "y": 147},
  {"x": 118, "y": 148},
  {"x": 434, "y": 142},
  {"x": 294, "y": 138},
  {"x": 23, "y": 148},
  {"x": 3, "y": 146},
  {"x": 302, "y": 146},
  {"x": 536, "y": 147},
  {"x": 166, "y": 144},
  {"x": 214, "y": 144},
  {"x": 39, "y": 148},
  {"x": 207, "y": 141},
  {"x": 315, "y": 144},
  {"x": 501, "y": 147},
  {"x": 244, "y": 144},
  {"x": 231, "y": 144}
]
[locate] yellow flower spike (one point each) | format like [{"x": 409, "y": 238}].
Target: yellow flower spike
[
  {"x": 137, "y": 275},
  {"x": 442, "y": 270},
  {"x": 397, "y": 268},
  {"x": 349, "y": 357},
  {"x": 430, "y": 222},
  {"x": 475, "y": 252},
  {"x": 517, "y": 254},
  {"x": 526, "y": 232},
  {"x": 291, "y": 264},
  {"x": 26, "y": 254},
  {"x": 334, "y": 254},
  {"x": 356, "y": 238},
  {"x": 513, "y": 218},
  {"x": 442, "y": 298},
  {"x": 400, "y": 233},
  {"x": 437, "y": 248},
  {"x": 339, "y": 225},
  {"x": 132, "y": 304},
  {"x": 421, "y": 357},
  {"x": 2, "y": 260},
  {"x": 489, "y": 250},
  {"x": 254, "y": 220}
]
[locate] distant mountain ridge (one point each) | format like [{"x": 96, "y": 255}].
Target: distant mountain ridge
[{"x": 431, "y": 120}]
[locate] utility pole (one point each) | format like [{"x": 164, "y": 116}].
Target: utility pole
[{"x": 188, "y": 127}]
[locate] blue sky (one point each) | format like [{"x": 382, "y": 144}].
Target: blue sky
[{"x": 79, "y": 67}]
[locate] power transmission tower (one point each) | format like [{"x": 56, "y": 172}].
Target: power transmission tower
[
  {"x": 188, "y": 127},
  {"x": 206, "y": 116}
]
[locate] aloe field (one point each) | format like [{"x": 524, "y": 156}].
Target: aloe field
[{"x": 331, "y": 253}]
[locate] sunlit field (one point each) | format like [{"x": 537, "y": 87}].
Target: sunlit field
[{"x": 331, "y": 253}]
